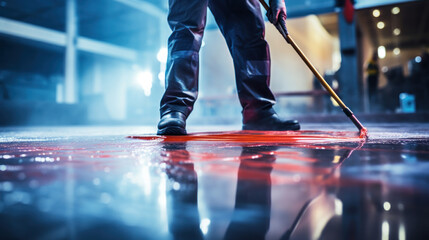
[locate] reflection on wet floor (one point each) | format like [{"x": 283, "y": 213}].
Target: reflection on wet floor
[{"x": 224, "y": 185}]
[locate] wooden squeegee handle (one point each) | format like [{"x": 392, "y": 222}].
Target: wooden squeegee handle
[
  {"x": 306, "y": 61},
  {"x": 283, "y": 31}
]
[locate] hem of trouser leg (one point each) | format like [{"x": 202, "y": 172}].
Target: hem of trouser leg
[{"x": 170, "y": 110}]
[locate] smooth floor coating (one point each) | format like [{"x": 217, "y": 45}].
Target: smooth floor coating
[{"x": 126, "y": 183}]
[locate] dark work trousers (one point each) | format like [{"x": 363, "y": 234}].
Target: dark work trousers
[{"x": 242, "y": 25}]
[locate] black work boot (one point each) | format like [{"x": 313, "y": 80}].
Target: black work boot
[
  {"x": 271, "y": 123},
  {"x": 173, "y": 123}
]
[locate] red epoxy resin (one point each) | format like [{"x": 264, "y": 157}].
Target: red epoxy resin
[{"x": 290, "y": 137}]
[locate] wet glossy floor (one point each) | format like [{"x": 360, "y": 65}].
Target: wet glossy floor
[{"x": 123, "y": 183}]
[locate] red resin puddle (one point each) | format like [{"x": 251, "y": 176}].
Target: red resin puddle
[{"x": 291, "y": 137}]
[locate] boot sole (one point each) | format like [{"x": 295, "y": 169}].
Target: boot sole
[{"x": 171, "y": 131}]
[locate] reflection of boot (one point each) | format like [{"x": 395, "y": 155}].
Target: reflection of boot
[
  {"x": 252, "y": 211},
  {"x": 182, "y": 196},
  {"x": 173, "y": 123},
  {"x": 182, "y": 199}
]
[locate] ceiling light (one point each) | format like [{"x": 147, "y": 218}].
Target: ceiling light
[
  {"x": 381, "y": 52},
  {"x": 396, "y": 31},
  {"x": 380, "y": 25},
  {"x": 376, "y": 13},
  {"x": 396, "y": 10},
  {"x": 396, "y": 51}
]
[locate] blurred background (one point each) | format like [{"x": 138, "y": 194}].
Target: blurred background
[{"x": 67, "y": 62}]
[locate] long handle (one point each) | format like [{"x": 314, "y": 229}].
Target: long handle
[
  {"x": 328, "y": 88},
  {"x": 315, "y": 72}
]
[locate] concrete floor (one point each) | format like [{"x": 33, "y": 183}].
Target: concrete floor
[{"x": 97, "y": 183}]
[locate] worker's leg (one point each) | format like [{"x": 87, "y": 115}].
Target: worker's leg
[
  {"x": 242, "y": 25},
  {"x": 187, "y": 20}
]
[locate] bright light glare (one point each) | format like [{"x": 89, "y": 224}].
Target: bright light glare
[
  {"x": 204, "y": 225},
  {"x": 396, "y": 51},
  {"x": 380, "y": 25},
  {"x": 386, "y": 206},
  {"x": 381, "y": 52},
  {"x": 162, "y": 55},
  {"x": 161, "y": 77},
  {"x": 418, "y": 59},
  {"x": 338, "y": 207},
  {"x": 376, "y": 13},
  {"x": 145, "y": 79},
  {"x": 336, "y": 159},
  {"x": 384, "y": 69},
  {"x": 385, "y": 230},
  {"x": 396, "y": 10},
  {"x": 401, "y": 232},
  {"x": 145, "y": 180},
  {"x": 396, "y": 31}
]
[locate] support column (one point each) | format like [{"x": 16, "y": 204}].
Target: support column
[
  {"x": 350, "y": 89},
  {"x": 163, "y": 35},
  {"x": 70, "y": 82}
]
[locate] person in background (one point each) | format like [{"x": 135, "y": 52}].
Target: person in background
[
  {"x": 243, "y": 28},
  {"x": 372, "y": 72}
]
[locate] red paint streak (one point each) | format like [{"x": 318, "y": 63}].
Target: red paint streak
[{"x": 289, "y": 137}]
